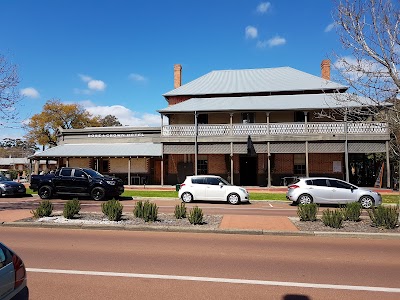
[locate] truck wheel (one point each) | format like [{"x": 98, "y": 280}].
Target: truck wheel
[
  {"x": 45, "y": 192},
  {"x": 98, "y": 193}
]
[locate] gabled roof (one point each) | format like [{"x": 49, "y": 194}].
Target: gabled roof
[
  {"x": 267, "y": 103},
  {"x": 102, "y": 150},
  {"x": 273, "y": 80}
]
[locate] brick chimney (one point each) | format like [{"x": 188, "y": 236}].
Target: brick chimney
[
  {"x": 326, "y": 69},
  {"x": 177, "y": 76}
]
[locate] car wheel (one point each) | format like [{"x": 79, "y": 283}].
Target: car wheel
[
  {"x": 366, "y": 202},
  {"x": 304, "y": 199},
  {"x": 98, "y": 193},
  {"x": 187, "y": 197},
  {"x": 233, "y": 198},
  {"x": 45, "y": 192}
]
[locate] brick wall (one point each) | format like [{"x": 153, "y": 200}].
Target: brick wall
[
  {"x": 283, "y": 163},
  {"x": 323, "y": 163},
  {"x": 216, "y": 164}
]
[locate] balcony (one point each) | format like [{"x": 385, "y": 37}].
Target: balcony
[{"x": 275, "y": 129}]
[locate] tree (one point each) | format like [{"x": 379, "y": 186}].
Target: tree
[
  {"x": 110, "y": 121},
  {"x": 16, "y": 148},
  {"x": 9, "y": 95},
  {"x": 369, "y": 31},
  {"x": 42, "y": 127}
]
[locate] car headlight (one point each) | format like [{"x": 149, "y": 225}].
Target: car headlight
[
  {"x": 243, "y": 190},
  {"x": 110, "y": 182}
]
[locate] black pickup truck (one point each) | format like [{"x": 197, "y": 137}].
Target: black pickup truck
[{"x": 77, "y": 182}]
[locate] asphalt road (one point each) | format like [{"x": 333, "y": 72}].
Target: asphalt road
[{"x": 98, "y": 264}]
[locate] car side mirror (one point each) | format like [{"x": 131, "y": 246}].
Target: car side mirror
[{"x": 220, "y": 184}]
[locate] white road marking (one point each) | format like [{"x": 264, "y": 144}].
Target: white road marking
[
  {"x": 270, "y": 204},
  {"x": 221, "y": 280}
]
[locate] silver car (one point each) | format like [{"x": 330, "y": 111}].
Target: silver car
[
  {"x": 325, "y": 190},
  {"x": 211, "y": 188},
  {"x": 12, "y": 275}
]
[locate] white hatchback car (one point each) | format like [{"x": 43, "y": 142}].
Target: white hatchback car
[
  {"x": 211, "y": 188},
  {"x": 325, "y": 190}
]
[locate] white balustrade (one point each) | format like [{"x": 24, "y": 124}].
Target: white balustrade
[{"x": 276, "y": 129}]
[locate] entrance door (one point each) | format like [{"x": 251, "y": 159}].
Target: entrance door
[{"x": 248, "y": 170}]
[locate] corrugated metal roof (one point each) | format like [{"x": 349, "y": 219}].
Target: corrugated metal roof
[
  {"x": 254, "y": 81},
  {"x": 8, "y": 161},
  {"x": 102, "y": 150},
  {"x": 266, "y": 103}
]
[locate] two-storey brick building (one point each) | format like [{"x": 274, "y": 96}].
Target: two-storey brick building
[{"x": 260, "y": 127}]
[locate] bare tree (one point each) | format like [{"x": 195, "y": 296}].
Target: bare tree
[{"x": 9, "y": 95}]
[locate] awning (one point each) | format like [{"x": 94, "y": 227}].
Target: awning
[{"x": 101, "y": 150}]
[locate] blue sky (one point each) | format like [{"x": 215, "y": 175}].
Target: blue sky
[{"x": 117, "y": 57}]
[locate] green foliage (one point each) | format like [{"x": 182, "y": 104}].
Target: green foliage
[
  {"x": 385, "y": 216},
  {"x": 307, "y": 212},
  {"x": 147, "y": 211},
  {"x": 71, "y": 208},
  {"x": 180, "y": 211},
  {"x": 44, "y": 210},
  {"x": 112, "y": 209},
  {"x": 332, "y": 218},
  {"x": 196, "y": 216},
  {"x": 352, "y": 211}
]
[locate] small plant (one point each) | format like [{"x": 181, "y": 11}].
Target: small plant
[
  {"x": 352, "y": 211},
  {"x": 332, "y": 218},
  {"x": 112, "y": 209},
  {"x": 180, "y": 211},
  {"x": 307, "y": 212},
  {"x": 150, "y": 211},
  {"x": 44, "y": 210},
  {"x": 196, "y": 216},
  {"x": 138, "y": 210},
  {"x": 71, "y": 208},
  {"x": 385, "y": 216}
]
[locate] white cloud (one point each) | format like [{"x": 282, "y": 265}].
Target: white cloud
[
  {"x": 137, "y": 77},
  {"x": 30, "y": 92},
  {"x": 251, "y": 32},
  {"x": 93, "y": 84},
  {"x": 126, "y": 116},
  {"x": 276, "y": 41},
  {"x": 263, "y": 7},
  {"x": 330, "y": 27}
]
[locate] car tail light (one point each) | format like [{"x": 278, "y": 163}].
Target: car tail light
[
  {"x": 19, "y": 270},
  {"x": 293, "y": 186},
  {"x": 181, "y": 185}
]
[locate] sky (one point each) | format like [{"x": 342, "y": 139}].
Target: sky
[{"x": 117, "y": 57}]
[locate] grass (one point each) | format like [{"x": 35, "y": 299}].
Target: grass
[{"x": 253, "y": 196}]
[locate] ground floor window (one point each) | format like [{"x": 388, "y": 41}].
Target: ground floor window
[
  {"x": 299, "y": 167},
  {"x": 202, "y": 166}
]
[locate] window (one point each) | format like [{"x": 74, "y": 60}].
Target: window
[
  {"x": 213, "y": 181},
  {"x": 66, "y": 172},
  {"x": 299, "y": 167},
  {"x": 248, "y": 118},
  {"x": 202, "y": 167},
  {"x": 202, "y": 119},
  {"x": 79, "y": 173},
  {"x": 339, "y": 184},
  {"x": 299, "y": 116},
  {"x": 319, "y": 182},
  {"x": 104, "y": 165},
  {"x": 198, "y": 180}
]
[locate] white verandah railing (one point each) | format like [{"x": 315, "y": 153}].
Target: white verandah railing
[{"x": 276, "y": 129}]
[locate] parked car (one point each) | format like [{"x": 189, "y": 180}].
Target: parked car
[
  {"x": 330, "y": 191},
  {"x": 13, "y": 281},
  {"x": 77, "y": 182},
  {"x": 211, "y": 188},
  {"x": 11, "y": 188}
]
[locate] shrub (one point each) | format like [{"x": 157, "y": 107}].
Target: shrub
[
  {"x": 147, "y": 211},
  {"x": 44, "y": 210},
  {"x": 150, "y": 211},
  {"x": 385, "y": 216},
  {"x": 180, "y": 211},
  {"x": 332, "y": 218},
  {"x": 138, "y": 210},
  {"x": 112, "y": 209},
  {"x": 71, "y": 208},
  {"x": 352, "y": 211},
  {"x": 307, "y": 212},
  {"x": 196, "y": 216}
]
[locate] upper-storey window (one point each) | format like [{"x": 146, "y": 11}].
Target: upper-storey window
[
  {"x": 248, "y": 117},
  {"x": 299, "y": 116},
  {"x": 202, "y": 119}
]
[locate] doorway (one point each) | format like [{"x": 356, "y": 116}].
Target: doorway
[{"x": 248, "y": 170}]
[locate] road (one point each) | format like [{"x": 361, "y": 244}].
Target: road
[{"x": 98, "y": 264}]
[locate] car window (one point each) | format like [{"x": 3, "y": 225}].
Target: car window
[
  {"x": 319, "y": 182},
  {"x": 93, "y": 173},
  {"x": 339, "y": 184},
  {"x": 213, "y": 181},
  {"x": 79, "y": 173},
  {"x": 198, "y": 180},
  {"x": 5, "y": 257},
  {"x": 3, "y": 178},
  {"x": 66, "y": 172}
]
